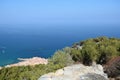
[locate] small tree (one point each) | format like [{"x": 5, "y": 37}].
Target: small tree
[{"x": 61, "y": 58}]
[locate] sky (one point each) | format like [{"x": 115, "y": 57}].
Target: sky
[{"x": 60, "y": 12}]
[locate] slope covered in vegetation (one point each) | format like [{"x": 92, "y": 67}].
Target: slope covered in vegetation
[{"x": 99, "y": 50}]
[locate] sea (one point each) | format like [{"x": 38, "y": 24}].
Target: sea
[{"x": 36, "y": 40}]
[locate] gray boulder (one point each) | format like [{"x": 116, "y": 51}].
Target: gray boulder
[
  {"x": 77, "y": 72},
  {"x": 91, "y": 76}
]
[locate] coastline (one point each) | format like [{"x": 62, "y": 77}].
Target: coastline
[
  {"x": 0, "y": 67},
  {"x": 28, "y": 62}
]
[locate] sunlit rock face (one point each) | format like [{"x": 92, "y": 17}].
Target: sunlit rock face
[{"x": 77, "y": 72}]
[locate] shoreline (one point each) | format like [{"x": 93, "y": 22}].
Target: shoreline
[
  {"x": 28, "y": 62},
  {"x": 0, "y": 67}
]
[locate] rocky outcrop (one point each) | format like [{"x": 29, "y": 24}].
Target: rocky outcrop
[
  {"x": 92, "y": 76},
  {"x": 77, "y": 72},
  {"x": 112, "y": 68}
]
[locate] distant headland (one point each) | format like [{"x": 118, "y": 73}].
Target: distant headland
[{"x": 29, "y": 62}]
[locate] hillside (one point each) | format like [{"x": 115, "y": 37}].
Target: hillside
[{"x": 88, "y": 52}]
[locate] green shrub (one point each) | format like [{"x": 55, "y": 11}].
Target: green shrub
[
  {"x": 99, "y": 50},
  {"x": 76, "y": 55},
  {"x": 61, "y": 58},
  {"x": 89, "y": 54}
]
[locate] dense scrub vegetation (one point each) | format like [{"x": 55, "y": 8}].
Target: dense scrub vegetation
[
  {"x": 99, "y": 50},
  {"x": 57, "y": 61}
]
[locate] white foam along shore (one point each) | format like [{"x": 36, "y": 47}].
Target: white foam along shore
[
  {"x": 0, "y": 67},
  {"x": 29, "y": 61}
]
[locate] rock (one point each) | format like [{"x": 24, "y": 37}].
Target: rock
[
  {"x": 59, "y": 72},
  {"x": 91, "y": 76},
  {"x": 112, "y": 68},
  {"x": 77, "y": 72}
]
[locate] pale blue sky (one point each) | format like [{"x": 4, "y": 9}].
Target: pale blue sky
[{"x": 60, "y": 11}]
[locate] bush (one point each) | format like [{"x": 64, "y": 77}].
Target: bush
[
  {"x": 76, "y": 55},
  {"x": 61, "y": 58},
  {"x": 90, "y": 54},
  {"x": 99, "y": 50}
]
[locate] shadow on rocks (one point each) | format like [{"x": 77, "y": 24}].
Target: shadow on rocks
[{"x": 92, "y": 76}]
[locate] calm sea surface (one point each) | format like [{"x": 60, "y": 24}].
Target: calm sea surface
[{"x": 25, "y": 41}]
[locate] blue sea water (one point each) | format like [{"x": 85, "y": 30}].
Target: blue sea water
[{"x": 25, "y": 41}]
